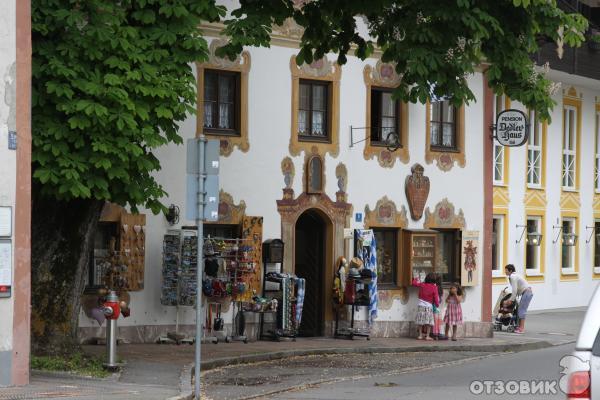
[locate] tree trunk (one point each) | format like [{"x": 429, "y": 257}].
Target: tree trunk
[{"x": 62, "y": 237}]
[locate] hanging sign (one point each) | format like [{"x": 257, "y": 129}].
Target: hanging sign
[{"x": 512, "y": 129}]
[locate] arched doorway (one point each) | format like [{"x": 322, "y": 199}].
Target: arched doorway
[{"x": 309, "y": 263}]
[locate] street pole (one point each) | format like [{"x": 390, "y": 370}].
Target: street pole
[{"x": 200, "y": 258}]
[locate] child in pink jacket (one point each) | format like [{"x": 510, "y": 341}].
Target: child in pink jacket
[{"x": 428, "y": 297}]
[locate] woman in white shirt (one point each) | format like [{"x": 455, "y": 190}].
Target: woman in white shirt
[{"x": 520, "y": 287}]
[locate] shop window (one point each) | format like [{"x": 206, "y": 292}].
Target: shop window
[
  {"x": 532, "y": 252},
  {"x": 385, "y": 116},
  {"x": 449, "y": 249},
  {"x": 313, "y": 110},
  {"x": 569, "y": 147},
  {"x": 221, "y": 102},
  {"x": 568, "y": 252},
  {"x": 534, "y": 152},
  {"x": 221, "y": 231},
  {"x": 314, "y": 175},
  {"x": 443, "y": 126},
  {"x": 387, "y": 253},
  {"x": 105, "y": 241},
  {"x": 597, "y": 158},
  {"x": 499, "y": 150},
  {"x": 497, "y": 241}
]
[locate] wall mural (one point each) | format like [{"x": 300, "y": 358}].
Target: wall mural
[
  {"x": 416, "y": 187},
  {"x": 229, "y": 212},
  {"x": 444, "y": 216},
  {"x": 288, "y": 170}
]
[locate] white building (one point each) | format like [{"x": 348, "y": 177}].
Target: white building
[
  {"x": 15, "y": 189},
  {"x": 550, "y": 187},
  {"x": 274, "y": 118}
]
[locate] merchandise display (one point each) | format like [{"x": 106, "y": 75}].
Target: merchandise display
[{"x": 287, "y": 300}]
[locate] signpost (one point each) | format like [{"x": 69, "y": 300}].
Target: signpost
[
  {"x": 202, "y": 203},
  {"x": 512, "y": 129}
]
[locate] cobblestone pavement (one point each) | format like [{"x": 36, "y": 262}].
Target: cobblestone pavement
[{"x": 260, "y": 379}]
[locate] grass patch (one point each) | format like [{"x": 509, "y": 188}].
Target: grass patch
[{"x": 76, "y": 363}]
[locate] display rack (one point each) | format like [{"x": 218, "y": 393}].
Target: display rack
[
  {"x": 350, "y": 332},
  {"x": 285, "y": 289}
]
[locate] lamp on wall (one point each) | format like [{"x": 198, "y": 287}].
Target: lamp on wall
[
  {"x": 533, "y": 238},
  {"x": 569, "y": 239},
  {"x": 172, "y": 214}
]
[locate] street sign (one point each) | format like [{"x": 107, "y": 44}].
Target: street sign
[
  {"x": 512, "y": 129},
  {"x": 211, "y": 157}
]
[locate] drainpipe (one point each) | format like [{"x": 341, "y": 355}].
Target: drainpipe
[{"x": 488, "y": 149}]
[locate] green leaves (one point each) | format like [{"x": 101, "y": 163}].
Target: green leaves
[
  {"x": 111, "y": 83},
  {"x": 429, "y": 41}
]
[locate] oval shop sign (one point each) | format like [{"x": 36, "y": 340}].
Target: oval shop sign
[{"x": 511, "y": 128}]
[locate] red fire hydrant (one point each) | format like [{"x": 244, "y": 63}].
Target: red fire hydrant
[{"x": 112, "y": 310}]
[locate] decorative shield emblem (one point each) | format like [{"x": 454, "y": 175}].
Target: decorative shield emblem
[{"x": 417, "y": 191}]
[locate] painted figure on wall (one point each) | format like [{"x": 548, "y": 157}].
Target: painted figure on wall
[{"x": 470, "y": 263}]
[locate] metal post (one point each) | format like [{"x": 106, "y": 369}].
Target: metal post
[
  {"x": 200, "y": 258},
  {"x": 111, "y": 343}
]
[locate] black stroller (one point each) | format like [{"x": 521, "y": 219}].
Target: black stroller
[{"x": 505, "y": 315}]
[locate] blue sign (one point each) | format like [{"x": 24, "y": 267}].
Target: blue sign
[
  {"x": 358, "y": 217},
  {"x": 12, "y": 140}
]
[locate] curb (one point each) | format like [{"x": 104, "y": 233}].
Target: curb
[{"x": 252, "y": 358}]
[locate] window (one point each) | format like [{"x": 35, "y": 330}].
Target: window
[
  {"x": 497, "y": 241},
  {"x": 500, "y": 105},
  {"x": 312, "y": 111},
  {"x": 597, "y": 244},
  {"x": 534, "y": 152},
  {"x": 449, "y": 247},
  {"x": 532, "y": 253},
  {"x": 105, "y": 240},
  {"x": 221, "y": 102},
  {"x": 387, "y": 253},
  {"x": 569, "y": 146},
  {"x": 568, "y": 252},
  {"x": 443, "y": 126},
  {"x": 385, "y": 115},
  {"x": 597, "y": 163}
]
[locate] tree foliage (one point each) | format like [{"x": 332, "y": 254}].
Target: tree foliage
[
  {"x": 111, "y": 81},
  {"x": 435, "y": 44}
]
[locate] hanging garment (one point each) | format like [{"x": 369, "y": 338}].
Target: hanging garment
[
  {"x": 300, "y": 289},
  {"x": 368, "y": 254},
  {"x": 286, "y": 310}
]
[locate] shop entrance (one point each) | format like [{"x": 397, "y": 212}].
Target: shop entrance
[{"x": 309, "y": 264}]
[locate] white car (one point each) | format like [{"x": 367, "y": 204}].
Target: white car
[{"x": 583, "y": 370}]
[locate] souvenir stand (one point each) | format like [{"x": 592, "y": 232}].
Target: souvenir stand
[
  {"x": 180, "y": 258},
  {"x": 283, "y": 292},
  {"x": 231, "y": 278},
  {"x": 359, "y": 283}
]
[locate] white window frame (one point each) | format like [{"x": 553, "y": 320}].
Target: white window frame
[
  {"x": 538, "y": 249},
  {"x": 571, "y": 269},
  {"x": 499, "y": 246},
  {"x": 571, "y": 154},
  {"x": 499, "y": 159},
  {"x": 597, "y": 157},
  {"x": 534, "y": 152}
]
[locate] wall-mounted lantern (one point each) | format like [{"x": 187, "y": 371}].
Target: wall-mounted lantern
[
  {"x": 568, "y": 238},
  {"x": 533, "y": 238},
  {"x": 592, "y": 234}
]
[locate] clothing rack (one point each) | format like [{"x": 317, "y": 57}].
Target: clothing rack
[{"x": 352, "y": 331}]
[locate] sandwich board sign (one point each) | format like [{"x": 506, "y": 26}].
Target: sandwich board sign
[{"x": 512, "y": 129}]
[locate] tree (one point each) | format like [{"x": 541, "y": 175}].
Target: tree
[
  {"x": 111, "y": 82},
  {"x": 434, "y": 44}
]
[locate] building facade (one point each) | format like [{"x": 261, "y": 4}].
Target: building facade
[
  {"x": 15, "y": 189},
  {"x": 304, "y": 157}
]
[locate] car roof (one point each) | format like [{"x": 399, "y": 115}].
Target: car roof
[{"x": 591, "y": 323}]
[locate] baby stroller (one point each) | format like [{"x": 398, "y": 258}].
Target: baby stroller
[{"x": 506, "y": 315}]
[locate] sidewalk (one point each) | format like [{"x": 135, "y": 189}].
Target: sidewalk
[{"x": 154, "y": 371}]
